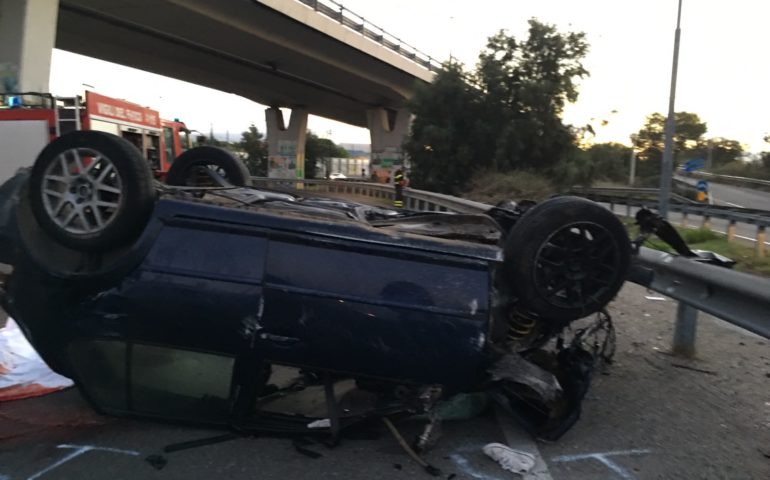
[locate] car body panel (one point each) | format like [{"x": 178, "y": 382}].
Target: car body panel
[{"x": 271, "y": 284}]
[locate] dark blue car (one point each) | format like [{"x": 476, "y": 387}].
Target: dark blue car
[{"x": 177, "y": 301}]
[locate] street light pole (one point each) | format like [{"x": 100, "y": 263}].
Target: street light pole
[
  {"x": 667, "y": 167},
  {"x": 632, "y": 173}
]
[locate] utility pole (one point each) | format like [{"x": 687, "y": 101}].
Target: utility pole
[
  {"x": 667, "y": 167},
  {"x": 710, "y": 155},
  {"x": 632, "y": 174}
]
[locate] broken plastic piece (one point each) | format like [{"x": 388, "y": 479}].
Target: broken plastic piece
[
  {"x": 322, "y": 423},
  {"x": 462, "y": 406},
  {"x": 157, "y": 461},
  {"x": 512, "y": 460}
]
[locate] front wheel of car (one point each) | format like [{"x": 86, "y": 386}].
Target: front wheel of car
[
  {"x": 91, "y": 191},
  {"x": 566, "y": 258}
]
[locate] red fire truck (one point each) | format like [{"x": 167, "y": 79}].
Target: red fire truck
[{"x": 28, "y": 121}]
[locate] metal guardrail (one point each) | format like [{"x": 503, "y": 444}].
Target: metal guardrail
[
  {"x": 737, "y": 214},
  {"x": 634, "y": 197},
  {"x": 357, "y": 23},
  {"x": 754, "y": 181},
  {"x": 413, "y": 199},
  {"x": 739, "y": 298}
]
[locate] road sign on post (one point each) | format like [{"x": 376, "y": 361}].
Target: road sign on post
[
  {"x": 703, "y": 188},
  {"x": 694, "y": 164}
]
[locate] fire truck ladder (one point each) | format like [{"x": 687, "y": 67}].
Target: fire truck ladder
[{"x": 67, "y": 111}]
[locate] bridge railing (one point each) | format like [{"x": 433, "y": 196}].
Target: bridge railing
[
  {"x": 739, "y": 298},
  {"x": 357, "y": 23}
]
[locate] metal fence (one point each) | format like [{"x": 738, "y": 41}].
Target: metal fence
[
  {"x": 739, "y": 298},
  {"x": 647, "y": 197},
  {"x": 357, "y": 23}
]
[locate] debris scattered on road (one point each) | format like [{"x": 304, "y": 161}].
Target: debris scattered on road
[
  {"x": 157, "y": 461},
  {"x": 694, "y": 369},
  {"x": 323, "y": 423},
  {"x": 300, "y": 445},
  {"x": 462, "y": 406},
  {"x": 201, "y": 442},
  {"x": 510, "y": 459},
  {"x": 420, "y": 461}
]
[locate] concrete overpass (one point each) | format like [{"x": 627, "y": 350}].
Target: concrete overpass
[{"x": 276, "y": 52}]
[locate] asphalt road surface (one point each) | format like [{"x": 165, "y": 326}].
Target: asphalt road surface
[
  {"x": 647, "y": 416},
  {"x": 733, "y": 196}
]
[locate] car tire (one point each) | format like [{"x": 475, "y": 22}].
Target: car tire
[
  {"x": 566, "y": 258},
  {"x": 186, "y": 168},
  {"x": 91, "y": 191}
]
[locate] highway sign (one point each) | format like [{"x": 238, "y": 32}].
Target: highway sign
[{"x": 694, "y": 164}]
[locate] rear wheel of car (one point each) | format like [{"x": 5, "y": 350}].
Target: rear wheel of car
[
  {"x": 208, "y": 166},
  {"x": 566, "y": 258},
  {"x": 91, "y": 190}
]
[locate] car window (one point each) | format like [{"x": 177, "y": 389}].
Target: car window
[{"x": 151, "y": 379}]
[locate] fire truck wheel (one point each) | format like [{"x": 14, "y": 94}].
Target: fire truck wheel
[
  {"x": 565, "y": 258},
  {"x": 91, "y": 190},
  {"x": 208, "y": 166}
]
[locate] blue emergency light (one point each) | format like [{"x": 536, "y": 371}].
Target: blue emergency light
[{"x": 13, "y": 101}]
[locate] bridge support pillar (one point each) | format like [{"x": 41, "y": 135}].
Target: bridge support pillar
[
  {"x": 27, "y": 37},
  {"x": 388, "y": 128},
  {"x": 761, "y": 239},
  {"x": 286, "y": 144}
]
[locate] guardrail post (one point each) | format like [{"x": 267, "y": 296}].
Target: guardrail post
[
  {"x": 706, "y": 222},
  {"x": 628, "y": 207},
  {"x": 761, "y": 239},
  {"x": 612, "y": 206},
  {"x": 731, "y": 231},
  {"x": 684, "y": 331},
  {"x": 684, "y": 220}
]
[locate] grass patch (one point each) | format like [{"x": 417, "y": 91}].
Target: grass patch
[{"x": 703, "y": 239}]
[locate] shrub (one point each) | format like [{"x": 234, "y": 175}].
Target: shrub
[{"x": 492, "y": 187}]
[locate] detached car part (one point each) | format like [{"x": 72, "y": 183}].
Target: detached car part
[{"x": 174, "y": 301}]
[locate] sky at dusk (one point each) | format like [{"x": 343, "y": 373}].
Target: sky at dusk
[{"x": 723, "y": 71}]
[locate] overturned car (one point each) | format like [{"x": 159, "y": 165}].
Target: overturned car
[{"x": 179, "y": 301}]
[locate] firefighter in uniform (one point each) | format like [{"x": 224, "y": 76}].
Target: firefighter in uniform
[{"x": 399, "y": 182}]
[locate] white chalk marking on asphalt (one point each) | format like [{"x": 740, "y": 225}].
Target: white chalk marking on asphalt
[
  {"x": 468, "y": 469},
  {"x": 604, "y": 460},
  {"x": 517, "y": 439},
  {"x": 79, "y": 450}
]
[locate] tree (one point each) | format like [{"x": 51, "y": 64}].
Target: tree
[
  {"x": 527, "y": 85},
  {"x": 256, "y": 151},
  {"x": 319, "y": 150},
  {"x": 443, "y": 144},
  {"x": 650, "y": 141},
  {"x": 610, "y": 160},
  {"x": 505, "y": 115},
  {"x": 721, "y": 150}
]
